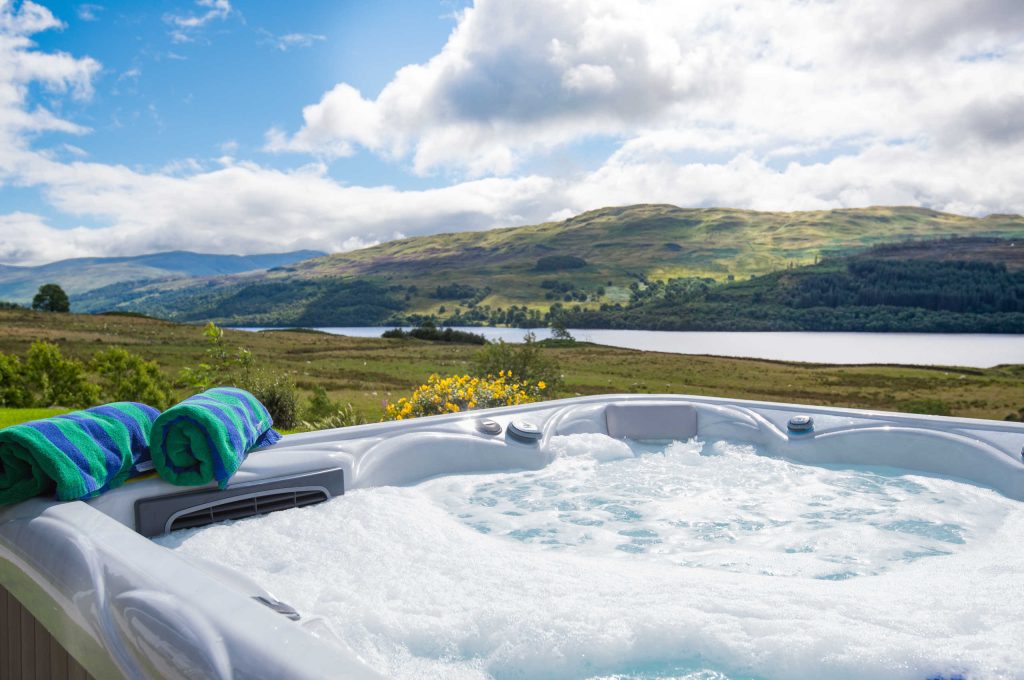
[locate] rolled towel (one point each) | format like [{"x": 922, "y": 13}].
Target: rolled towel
[
  {"x": 207, "y": 436},
  {"x": 80, "y": 454}
]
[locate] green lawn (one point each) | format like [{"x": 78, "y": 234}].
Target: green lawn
[{"x": 13, "y": 416}]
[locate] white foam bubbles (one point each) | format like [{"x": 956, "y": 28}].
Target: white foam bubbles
[{"x": 434, "y": 581}]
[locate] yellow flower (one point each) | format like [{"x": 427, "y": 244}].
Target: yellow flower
[{"x": 541, "y": 384}]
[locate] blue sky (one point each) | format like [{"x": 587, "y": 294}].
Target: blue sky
[
  {"x": 250, "y": 126},
  {"x": 160, "y": 100}
]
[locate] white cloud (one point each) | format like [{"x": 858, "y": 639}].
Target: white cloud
[
  {"x": 184, "y": 25},
  {"x": 518, "y": 79},
  {"x": 287, "y": 41},
  {"x": 89, "y": 12}
]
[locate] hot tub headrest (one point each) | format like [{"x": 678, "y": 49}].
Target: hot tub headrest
[{"x": 651, "y": 420}]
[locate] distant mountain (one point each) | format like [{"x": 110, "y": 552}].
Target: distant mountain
[
  {"x": 515, "y": 275},
  {"x": 80, "y": 275}
]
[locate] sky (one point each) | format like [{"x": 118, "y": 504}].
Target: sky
[{"x": 245, "y": 126}]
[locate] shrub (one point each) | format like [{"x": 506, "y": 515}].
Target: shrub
[
  {"x": 341, "y": 416},
  {"x": 277, "y": 393},
  {"x": 13, "y": 393},
  {"x": 464, "y": 393},
  {"x": 54, "y": 380},
  {"x": 129, "y": 377},
  {"x": 525, "y": 361},
  {"x": 319, "y": 406}
]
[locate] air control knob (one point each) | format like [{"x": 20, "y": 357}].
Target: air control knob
[
  {"x": 524, "y": 430},
  {"x": 488, "y": 426},
  {"x": 801, "y": 424}
]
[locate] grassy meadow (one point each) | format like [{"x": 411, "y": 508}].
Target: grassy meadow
[{"x": 368, "y": 371}]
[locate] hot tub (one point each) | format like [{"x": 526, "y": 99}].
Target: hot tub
[{"x": 612, "y": 536}]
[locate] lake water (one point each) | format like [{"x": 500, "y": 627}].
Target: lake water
[{"x": 930, "y": 349}]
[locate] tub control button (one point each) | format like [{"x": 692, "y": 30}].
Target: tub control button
[
  {"x": 488, "y": 426},
  {"x": 801, "y": 424},
  {"x": 524, "y": 430}
]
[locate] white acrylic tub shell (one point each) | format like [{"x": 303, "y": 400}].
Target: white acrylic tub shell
[{"x": 124, "y": 606}]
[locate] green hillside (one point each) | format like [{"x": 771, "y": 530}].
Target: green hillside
[
  {"x": 967, "y": 285},
  {"x": 590, "y": 260}
]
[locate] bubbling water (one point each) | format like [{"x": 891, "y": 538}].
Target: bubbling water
[
  {"x": 722, "y": 506},
  {"x": 701, "y": 560}
]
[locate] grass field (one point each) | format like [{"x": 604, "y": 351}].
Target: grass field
[
  {"x": 13, "y": 416},
  {"x": 368, "y": 371}
]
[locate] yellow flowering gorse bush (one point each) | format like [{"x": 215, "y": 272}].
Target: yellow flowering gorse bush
[{"x": 462, "y": 393}]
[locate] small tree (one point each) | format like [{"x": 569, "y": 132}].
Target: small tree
[
  {"x": 224, "y": 364},
  {"x": 51, "y": 298},
  {"x": 558, "y": 329}
]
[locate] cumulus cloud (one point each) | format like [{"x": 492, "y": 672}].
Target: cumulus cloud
[{"x": 518, "y": 79}]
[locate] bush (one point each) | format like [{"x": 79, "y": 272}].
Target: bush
[
  {"x": 53, "y": 380},
  {"x": 319, "y": 406},
  {"x": 13, "y": 393},
  {"x": 278, "y": 394},
  {"x": 342, "y": 416},
  {"x": 464, "y": 393},
  {"x": 128, "y": 377},
  {"x": 525, "y": 361}
]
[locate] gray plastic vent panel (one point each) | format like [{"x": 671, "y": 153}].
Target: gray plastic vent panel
[{"x": 162, "y": 514}]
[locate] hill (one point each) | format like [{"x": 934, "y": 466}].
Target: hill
[
  {"x": 514, "y": 275},
  {"x": 965, "y": 285},
  {"x": 79, "y": 275}
]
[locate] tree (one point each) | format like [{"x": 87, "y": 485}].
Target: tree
[
  {"x": 558, "y": 329},
  {"x": 51, "y": 298}
]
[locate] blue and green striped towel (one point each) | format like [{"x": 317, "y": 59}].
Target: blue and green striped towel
[
  {"x": 207, "y": 436},
  {"x": 80, "y": 454}
]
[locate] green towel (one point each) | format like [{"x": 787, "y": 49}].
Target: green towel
[
  {"x": 80, "y": 454},
  {"x": 207, "y": 436}
]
